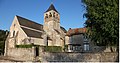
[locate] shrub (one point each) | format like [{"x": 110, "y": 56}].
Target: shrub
[
  {"x": 66, "y": 47},
  {"x": 53, "y": 48},
  {"x": 24, "y": 46}
]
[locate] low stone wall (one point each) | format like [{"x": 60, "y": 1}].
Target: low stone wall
[
  {"x": 103, "y": 49},
  {"x": 29, "y": 54},
  {"x": 21, "y": 54},
  {"x": 78, "y": 57}
]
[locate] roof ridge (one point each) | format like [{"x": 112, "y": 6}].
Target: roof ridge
[{"x": 75, "y": 28}]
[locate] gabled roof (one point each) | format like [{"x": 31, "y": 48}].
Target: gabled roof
[
  {"x": 32, "y": 33},
  {"x": 76, "y": 31},
  {"x": 32, "y": 25},
  {"x": 28, "y": 23},
  {"x": 52, "y": 8}
]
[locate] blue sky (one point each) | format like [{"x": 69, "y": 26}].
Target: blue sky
[{"x": 71, "y": 12}]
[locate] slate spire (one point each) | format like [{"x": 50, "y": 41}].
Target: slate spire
[{"x": 51, "y": 8}]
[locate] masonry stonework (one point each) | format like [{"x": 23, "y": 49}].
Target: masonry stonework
[
  {"x": 27, "y": 32},
  {"x": 22, "y": 54},
  {"x": 78, "y": 57}
]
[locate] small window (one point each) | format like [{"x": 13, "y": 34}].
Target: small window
[
  {"x": 13, "y": 33},
  {"x": 46, "y": 16},
  {"x": 54, "y": 14},
  {"x": 86, "y": 47},
  {"x": 50, "y": 15},
  {"x": 85, "y": 39},
  {"x": 14, "y": 25},
  {"x": 57, "y": 15}
]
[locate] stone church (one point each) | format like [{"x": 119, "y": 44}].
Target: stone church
[{"x": 24, "y": 31}]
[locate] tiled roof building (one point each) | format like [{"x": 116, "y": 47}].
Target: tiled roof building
[{"x": 76, "y": 31}]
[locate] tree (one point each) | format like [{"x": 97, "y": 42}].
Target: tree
[
  {"x": 102, "y": 21},
  {"x": 3, "y": 36}
]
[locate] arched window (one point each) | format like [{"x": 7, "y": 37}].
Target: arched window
[
  {"x": 46, "y": 16},
  {"x": 57, "y": 15},
  {"x": 47, "y": 40},
  {"x": 50, "y": 15},
  {"x": 54, "y": 14},
  {"x": 13, "y": 33},
  {"x": 14, "y": 25}
]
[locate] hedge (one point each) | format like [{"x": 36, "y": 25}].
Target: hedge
[
  {"x": 53, "y": 48},
  {"x": 24, "y": 46},
  {"x": 46, "y": 48}
]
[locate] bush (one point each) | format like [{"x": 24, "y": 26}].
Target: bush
[
  {"x": 66, "y": 46},
  {"x": 53, "y": 48},
  {"x": 24, "y": 46}
]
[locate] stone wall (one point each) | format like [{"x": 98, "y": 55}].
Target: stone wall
[
  {"x": 29, "y": 54},
  {"x": 21, "y": 54},
  {"x": 78, "y": 57}
]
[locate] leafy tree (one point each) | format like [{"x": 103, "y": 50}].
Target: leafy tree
[
  {"x": 102, "y": 21},
  {"x": 3, "y": 35}
]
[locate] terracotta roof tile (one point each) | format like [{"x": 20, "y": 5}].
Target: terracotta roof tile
[{"x": 76, "y": 31}]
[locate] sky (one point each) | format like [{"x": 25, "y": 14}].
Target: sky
[{"x": 71, "y": 12}]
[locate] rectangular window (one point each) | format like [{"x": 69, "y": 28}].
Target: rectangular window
[{"x": 86, "y": 47}]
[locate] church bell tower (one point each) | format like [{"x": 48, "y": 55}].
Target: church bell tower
[
  {"x": 51, "y": 19},
  {"x": 52, "y": 26}
]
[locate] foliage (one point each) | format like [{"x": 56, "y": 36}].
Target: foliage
[
  {"x": 53, "y": 49},
  {"x": 3, "y": 36},
  {"x": 102, "y": 21},
  {"x": 46, "y": 48},
  {"x": 24, "y": 46},
  {"x": 66, "y": 47}
]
